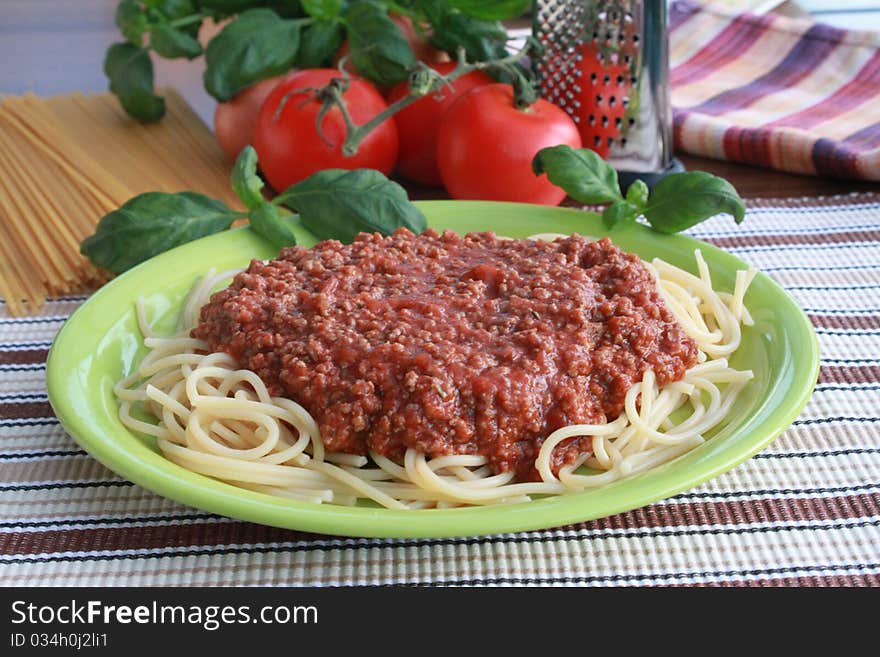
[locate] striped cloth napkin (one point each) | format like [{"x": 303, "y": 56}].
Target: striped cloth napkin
[{"x": 774, "y": 91}]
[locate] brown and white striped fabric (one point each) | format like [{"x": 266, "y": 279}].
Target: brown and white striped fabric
[{"x": 805, "y": 511}]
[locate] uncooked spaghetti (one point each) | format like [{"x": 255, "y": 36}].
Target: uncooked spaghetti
[{"x": 68, "y": 160}]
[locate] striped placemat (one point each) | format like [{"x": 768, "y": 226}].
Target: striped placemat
[{"x": 805, "y": 511}]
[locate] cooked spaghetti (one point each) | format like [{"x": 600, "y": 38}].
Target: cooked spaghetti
[{"x": 220, "y": 420}]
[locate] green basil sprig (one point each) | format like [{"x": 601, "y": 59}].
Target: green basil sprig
[
  {"x": 257, "y": 45},
  {"x": 152, "y": 223},
  {"x": 226, "y": 7},
  {"x": 338, "y": 204},
  {"x": 326, "y": 9},
  {"x": 580, "y": 172},
  {"x": 452, "y": 30},
  {"x": 682, "y": 200},
  {"x": 177, "y": 15},
  {"x": 331, "y": 204},
  {"x": 130, "y": 71},
  {"x": 676, "y": 203},
  {"x": 378, "y": 50},
  {"x": 172, "y": 26},
  {"x": 177, "y": 10},
  {"x": 491, "y": 10},
  {"x": 131, "y": 19},
  {"x": 246, "y": 184},
  {"x": 273, "y": 222},
  {"x": 265, "y": 38},
  {"x": 319, "y": 43},
  {"x": 172, "y": 42}
]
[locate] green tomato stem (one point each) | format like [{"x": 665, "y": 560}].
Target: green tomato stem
[{"x": 355, "y": 134}]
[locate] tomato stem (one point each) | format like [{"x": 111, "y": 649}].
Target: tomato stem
[
  {"x": 424, "y": 81},
  {"x": 524, "y": 91}
]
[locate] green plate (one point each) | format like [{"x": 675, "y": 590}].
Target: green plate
[{"x": 100, "y": 344}]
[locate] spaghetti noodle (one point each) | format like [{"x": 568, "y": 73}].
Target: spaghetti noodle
[
  {"x": 219, "y": 420},
  {"x": 68, "y": 160}
]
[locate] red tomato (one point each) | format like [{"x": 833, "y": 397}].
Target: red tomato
[
  {"x": 289, "y": 146},
  {"x": 486, "y": 145},
  {"x": 417, "y": 124},
  {"x": 235, "y": 119}
]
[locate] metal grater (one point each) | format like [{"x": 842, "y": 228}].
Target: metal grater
[{"x": 605, "y": 62}]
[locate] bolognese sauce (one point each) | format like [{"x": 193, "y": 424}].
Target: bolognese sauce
[{"x": 449, "y": 344}]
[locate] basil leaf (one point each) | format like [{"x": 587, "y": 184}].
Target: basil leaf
[
  {"x": 583, "y": 175},
  {"x": 378, "y": 50},
  {"x": 226, "y": 7},
  {"x": 152, "y": 223},
  {"x": 481, "y": 40},
  {"x": 620, "y": 212},
  {"x": 492, "y": 10},
  {"x": 245, "y": 181},
  {"x": 637, "y": 194},
  {"x": 322, "y": 8},
  {"x": 339, "y": 204},
  {"x": 285, "y": 8},
  {"x": 173, "y": 8},
  {"x": 319, "y": 43},
  {"x": 257, "y": 45},
  {"x": 682, "y": 200},
  {"x": 172, "y": 43},
  {"x": 130, "y": 72},
  {"x": 273, "y": 223},
  {"x": 131, "y": 21}
]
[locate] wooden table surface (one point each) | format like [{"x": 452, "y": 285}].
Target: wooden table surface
[{"x": 57, "y": 46}]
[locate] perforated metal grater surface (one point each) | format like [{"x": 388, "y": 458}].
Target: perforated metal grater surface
[{"x": 606, "y": 64}]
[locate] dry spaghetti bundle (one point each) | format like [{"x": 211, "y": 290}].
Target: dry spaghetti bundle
[{"x": 65, "y": 161}]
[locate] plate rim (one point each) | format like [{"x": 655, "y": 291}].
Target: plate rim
[{"x": 210, "y": 495}]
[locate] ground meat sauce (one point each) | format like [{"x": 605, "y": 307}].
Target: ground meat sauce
[{"x": 450, "y": 344}]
